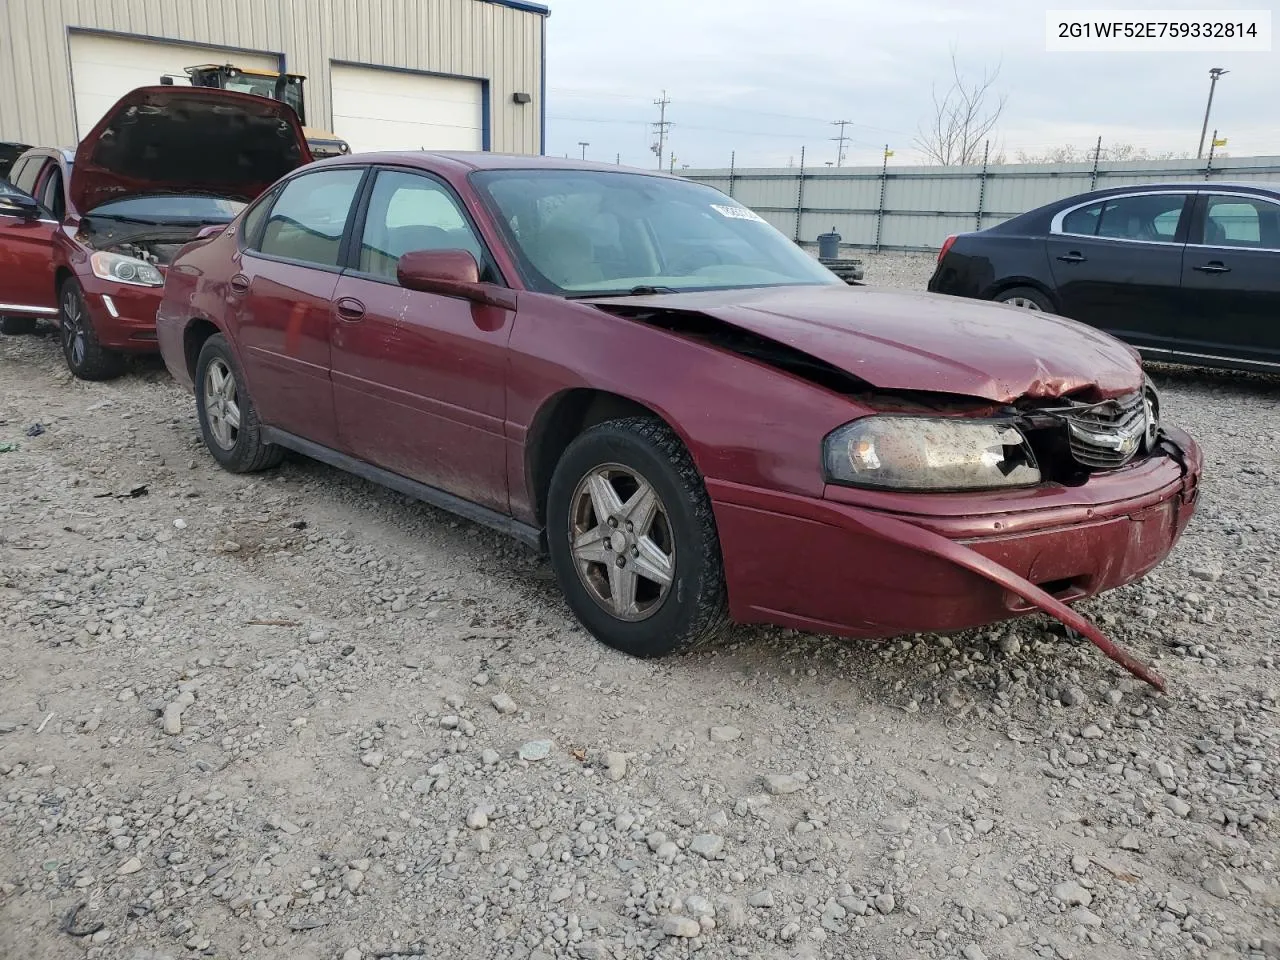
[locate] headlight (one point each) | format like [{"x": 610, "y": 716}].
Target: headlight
[
  {"x": 928, "y": 453},
  {"x": 122, "y": 269}
]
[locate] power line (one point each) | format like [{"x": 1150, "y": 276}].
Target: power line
[{"x": 661, "y": 127}]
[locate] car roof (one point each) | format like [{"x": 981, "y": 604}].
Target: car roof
[
  {"x": 1192, "y": 185},
  {"x": 66, "y": 154},
  {"x": 478, "y": 160}
]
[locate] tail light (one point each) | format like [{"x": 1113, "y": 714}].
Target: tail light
[{"x": 946, "y": 245}]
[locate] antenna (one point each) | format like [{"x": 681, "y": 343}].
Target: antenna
[{"x": 660, "y": 128}]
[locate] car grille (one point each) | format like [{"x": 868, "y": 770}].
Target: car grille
[{"x": 1104, "y": 436}]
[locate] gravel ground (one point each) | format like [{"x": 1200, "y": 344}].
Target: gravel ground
[{"x": 295, "y": 716}]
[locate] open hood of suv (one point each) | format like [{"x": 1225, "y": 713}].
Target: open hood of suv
[{"x": 171, "y": 140}]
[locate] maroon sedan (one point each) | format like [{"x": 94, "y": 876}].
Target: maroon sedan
[
  {"x": 85, "y": 238},
  {"x": 692, "y": 416}
]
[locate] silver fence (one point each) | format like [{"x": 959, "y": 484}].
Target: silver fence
[{"x": 916, "y": 208}]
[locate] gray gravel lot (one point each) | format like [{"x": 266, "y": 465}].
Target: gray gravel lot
[{"x": 295, "y": 716}]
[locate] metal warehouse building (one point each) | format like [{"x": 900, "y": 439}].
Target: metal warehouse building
[{"x": 381, "y": 74}]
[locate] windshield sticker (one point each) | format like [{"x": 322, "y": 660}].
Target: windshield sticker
[{"x": 736, "y": 212}]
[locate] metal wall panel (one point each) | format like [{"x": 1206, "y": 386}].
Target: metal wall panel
[
  {"x": 918, "y": 207},
  {"x": 488, "y": 41}
]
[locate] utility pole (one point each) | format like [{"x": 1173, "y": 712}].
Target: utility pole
[
  {"x": 584, "y": 144},
  {"x": 618, "y": 161},
  {"x": 1214, "y": 74},
  {"x": 660, "y": 128},
  {"x": 840, "y": 140}
]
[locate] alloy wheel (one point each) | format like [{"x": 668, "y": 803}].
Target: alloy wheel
[
  {"x": 221, "y": 410},
  {"x": 73, "y": 332},
  {"x": 621, "y": 540},
  {"x": 1023, "y": 303}
]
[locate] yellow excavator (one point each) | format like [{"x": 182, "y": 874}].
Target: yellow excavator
[{"x": 286, "y": 87}]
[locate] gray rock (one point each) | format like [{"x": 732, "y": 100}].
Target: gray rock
[
  {"x": 1072, "y": 697},
  {"x": 1130, "y": 841},
  {"x": 352, "y": 879},
  {"x": 535, "y": 750},
  {"x": 615, "y": 765},
  {"x": 132, "y": 865},
  {"x": 1092, "y": 732},
  {"x": 1177, "y": 806},
  {"x": 1085, "y": 917},
  {"x": 676, "y": 926},
  {"x": 478, "y": 819},
  {"x": 559, "y": 895},
  {"x": 724, "y": 734},
  {"x": 699, "y": 906},
  {"x": 782, "y": 783},
  {"x": 1210, "y": 574},
  {"x": 973, "y": 952},
  {"x": 1072, "y": 894},
  {"x": 1217, "y": 886},
  {"x": 503, "y": 703},
  {"x": 372, "y": 759},
  {"x": 762, "y": 900},
  {"x": 489, "y": 757},
  {"x": 422, "y": 785},
  {"x": 885, "y": 903},
  {"x": 707, "y": 845}
]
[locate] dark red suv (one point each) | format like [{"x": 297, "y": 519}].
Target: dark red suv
[
  {"x": 692, "y": 415},
  {"x": 86, "y": 237}
]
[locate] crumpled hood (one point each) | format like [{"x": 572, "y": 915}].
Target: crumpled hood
[
  {"x": 178, "y": 140},
  {"x": 898, "y": 340}
]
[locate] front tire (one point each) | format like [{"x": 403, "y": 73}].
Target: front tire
[
  {"x": 228, "y": 419},
  {"x": 86, "y": 358},
  {"x": 1025, "y": 298},
  {"x": 633, "y": 541}
]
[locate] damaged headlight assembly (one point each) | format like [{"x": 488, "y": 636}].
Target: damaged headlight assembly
[
  {"x": 893, "y": 452},
  {"x": 122, "y": 269}
]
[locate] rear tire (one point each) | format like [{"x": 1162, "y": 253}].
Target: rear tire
[
  {"x": 85, "y": 357},
  {"x": 1026, "y": 298},
  {"x": 228, "y": 419},
  {"x": 16, "y": 326},
  {"x": 633, "y": 541}
]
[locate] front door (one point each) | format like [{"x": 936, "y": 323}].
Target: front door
[
  {"x": 284, "y": 290},
  {"x": 26, "y": 256},
  {"x": 1117, "y": 264},
  {"x": 1231, "y": 279},
  {"x": 419, "y": 378}
]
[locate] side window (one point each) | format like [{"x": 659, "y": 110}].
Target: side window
[
  {"x": 16, "y": 170},
  {"x": 251, "y": 225},
  {"x": 25, "y": 179},
  {"x": 52, "y": 196},
  {"x": 308, "y": 218},
  {"x": 1083, "y": 221},
  {"x": 1240, "y": 222},
  {"x": 1153, "y": 217},
  {"x": 411, "y": 212}
]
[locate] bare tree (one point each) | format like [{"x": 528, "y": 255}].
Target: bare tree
[
  {"x": 963, "y": 118},
  {"x": 1070, "y": 153}
]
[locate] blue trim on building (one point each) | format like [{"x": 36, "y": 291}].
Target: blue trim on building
[
  {"x": 524, "y": 5},
  {"x": 485, "y": 142},
  {"x": 542, "y": 94}
]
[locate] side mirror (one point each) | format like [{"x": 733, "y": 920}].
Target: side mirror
[
  {"x": 210, "y": 231},
  {"x": 22, "y": 206},
  {"x": 450, "y": 273}
]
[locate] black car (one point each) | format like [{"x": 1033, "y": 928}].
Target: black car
[
  {"x": 1186, "y": 272},
  {"x": 10, "y": 152}
]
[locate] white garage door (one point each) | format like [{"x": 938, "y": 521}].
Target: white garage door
[
  {"x": 103, "y": 69},
  {"x": 389, "y": 110}
]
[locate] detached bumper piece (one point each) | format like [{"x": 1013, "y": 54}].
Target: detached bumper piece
[{"x": 875, "y": 564}]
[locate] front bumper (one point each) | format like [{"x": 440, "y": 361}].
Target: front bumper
[
  {"x": 872, "y": 564},
  {"x": 123, "y": 314}
]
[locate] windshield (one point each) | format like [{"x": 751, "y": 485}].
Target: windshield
[
  {"x": 172, "y": 207},
  {"x": 588, "y": 232},
  {"x": 266, "y": 87}
]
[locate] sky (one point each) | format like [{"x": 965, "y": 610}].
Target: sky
[{"x": 762, "y": 78}]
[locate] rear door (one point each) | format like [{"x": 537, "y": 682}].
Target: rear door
[
  {"x": 419, "y": 378},
  {"x": 26, "y": 256},
  {"x": 281, "y": 297},
  {"x": 1117, "y": 263},
  {"x": 1231, "y": 278}
]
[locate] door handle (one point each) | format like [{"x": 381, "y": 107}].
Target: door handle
[
  {"x": 1213, "y": 266},
  {"x": 1074, "y": 256},
  {"x": 239, "y": 283},
  {"x": 349, "y": 309}
]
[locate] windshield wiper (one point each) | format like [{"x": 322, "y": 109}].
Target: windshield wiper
[{"x": 122, "y": 218}]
